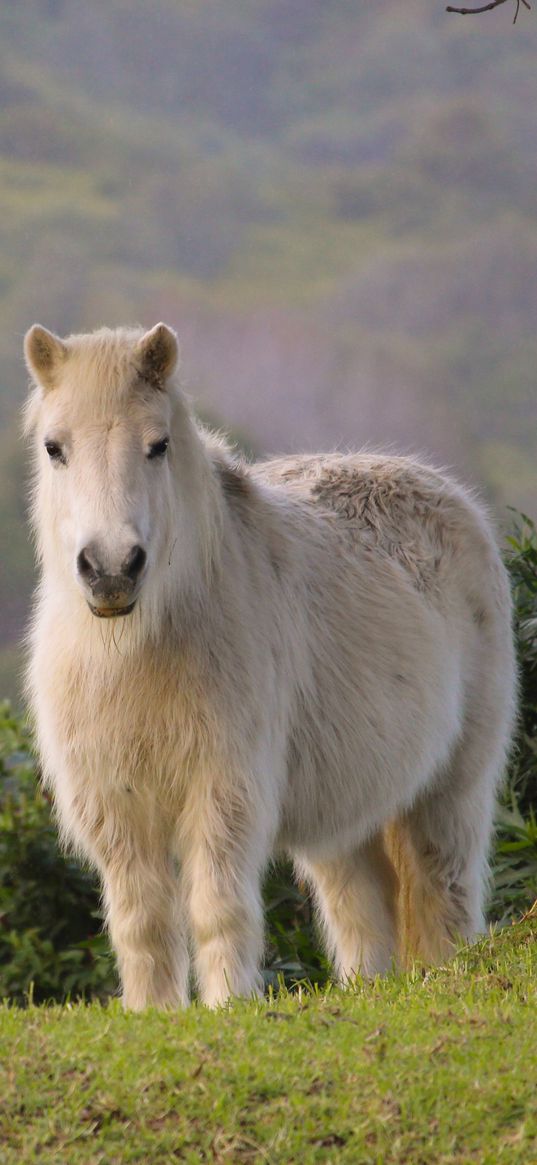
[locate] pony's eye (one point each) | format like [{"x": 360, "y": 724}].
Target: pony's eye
[
  {"x": 158, "y": 448},
  {"x": 55, "y": 452}
]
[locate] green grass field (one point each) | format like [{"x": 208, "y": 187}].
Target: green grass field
[{"x": 423, "y": 1068}]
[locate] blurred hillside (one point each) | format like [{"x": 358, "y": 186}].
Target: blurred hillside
[{"x": 333, "y": 203}]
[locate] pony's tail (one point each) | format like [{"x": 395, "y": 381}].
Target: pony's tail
[{"x": 426, "y": 926}]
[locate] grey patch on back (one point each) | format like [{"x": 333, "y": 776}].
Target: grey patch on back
[{"x": 384, "y": 505}]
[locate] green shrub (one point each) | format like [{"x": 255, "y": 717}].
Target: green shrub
[
  {"x": 293, "y": 950},
  {"x": 515, "y": 880},
  {"x": 50, "y": 922},
  {"x": 521, "y": 560},
  {"x": 51, "y": 939},
  {"x": 515, "y": 866}
]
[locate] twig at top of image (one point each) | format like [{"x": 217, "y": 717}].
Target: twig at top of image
[{"x": 489, "y": 7}]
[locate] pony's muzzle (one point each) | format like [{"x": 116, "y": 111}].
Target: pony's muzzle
[{"x": 111, "y": 594}]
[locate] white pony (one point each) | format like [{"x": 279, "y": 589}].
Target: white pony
[{"x": 310, "y": 656}]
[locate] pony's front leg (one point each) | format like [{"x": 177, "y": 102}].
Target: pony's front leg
[
  {"x": 141, "y": 899},
  {"x": 132, "y": 848},
  {"x": 224, "y": 857}
]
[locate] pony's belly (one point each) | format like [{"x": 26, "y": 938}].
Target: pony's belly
[
  {"x": 329, "y": 807},
  {"x": 324, "y": 820}
]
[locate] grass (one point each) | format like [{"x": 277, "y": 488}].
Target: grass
[{"x": 436, "y": 1068}]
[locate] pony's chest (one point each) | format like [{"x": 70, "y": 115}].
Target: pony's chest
[{"x": 127, "y": 726}]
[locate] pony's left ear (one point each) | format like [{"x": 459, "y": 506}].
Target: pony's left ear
[
  {"x": 157, "y": 354},
  {"x": 44, "y": 354}
]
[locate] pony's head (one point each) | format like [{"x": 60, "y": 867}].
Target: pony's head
[{"x": 117, "y": 494}]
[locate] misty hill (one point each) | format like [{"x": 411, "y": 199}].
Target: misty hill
[{"x": 333, "y": 203}]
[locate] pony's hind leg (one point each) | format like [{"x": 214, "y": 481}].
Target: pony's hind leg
[
  {"x": 440, "y": 847},
  {"x": 355, "y": 895},
  {"x": 440, "y": 850}
]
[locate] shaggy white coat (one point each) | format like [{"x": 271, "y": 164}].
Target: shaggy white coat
[{"x": 320, "y": 663}]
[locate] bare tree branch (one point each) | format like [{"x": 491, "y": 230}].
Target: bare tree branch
[{"x": 488, "y": 8}]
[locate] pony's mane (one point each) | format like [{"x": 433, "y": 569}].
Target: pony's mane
[{"x": 106, "y": 354}]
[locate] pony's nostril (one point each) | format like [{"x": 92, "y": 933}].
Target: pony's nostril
[
  {"x": 88, "y": 565},
  {"x": 134, "y": 563}
]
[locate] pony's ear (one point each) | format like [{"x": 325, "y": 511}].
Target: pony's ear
[
  {"x": 44, "y": 353},
  {"x": 157, "y": 354}
]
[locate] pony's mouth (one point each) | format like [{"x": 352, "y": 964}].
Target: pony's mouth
[{"x": 111, "y": 612}]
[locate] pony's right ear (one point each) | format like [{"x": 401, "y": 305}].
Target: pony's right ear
[{"x": 44, "y": 353}]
